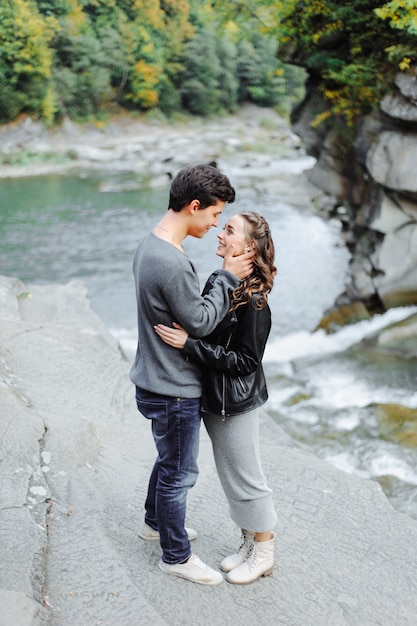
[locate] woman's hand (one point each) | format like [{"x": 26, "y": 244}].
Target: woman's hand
[{"x": 175, "y": 337}]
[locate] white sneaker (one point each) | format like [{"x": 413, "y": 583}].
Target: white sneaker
[
  {"x": 149, "y": 534},
  {"x": 194, "y": 569}
]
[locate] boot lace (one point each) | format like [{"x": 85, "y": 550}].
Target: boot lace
[
  {"x": 250, "y": 557},
  {"x": 245, "y": 541}
]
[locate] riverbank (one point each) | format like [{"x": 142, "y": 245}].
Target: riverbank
[
  {"x": 255, "y": 148},
  {"x": 76, "y": 456}
]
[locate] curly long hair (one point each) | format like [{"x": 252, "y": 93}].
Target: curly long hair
[{"x": 261, "y": 280}]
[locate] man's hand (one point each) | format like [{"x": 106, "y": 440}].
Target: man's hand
[{"x": 241, "y": 265}]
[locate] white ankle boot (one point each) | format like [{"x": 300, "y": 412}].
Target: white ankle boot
[
  {"x": 234, "y": 560},
  {"x": 259, "y": 562}
]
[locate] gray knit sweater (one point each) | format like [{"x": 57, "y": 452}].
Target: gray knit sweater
[{"x": 168, "y": 290}]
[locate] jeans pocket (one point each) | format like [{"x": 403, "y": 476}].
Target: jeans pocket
[{"x": 155, "y": 411}]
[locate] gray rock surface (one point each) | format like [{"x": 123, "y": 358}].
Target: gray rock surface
[
  {"x": 396, "y": 220},
  {"x": 391, "y": 160},
  {"x": 372, "y": 177},
  {"x": 75, "y": 457},
  {"x": 152, "y": 150},
  {"x": 403, "y": 104},
  {"x": 399, "y": 107}
]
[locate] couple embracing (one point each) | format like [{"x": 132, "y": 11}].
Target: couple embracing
[{"x": 199, "y": 355}]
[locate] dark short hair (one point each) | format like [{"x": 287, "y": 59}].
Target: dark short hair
[{"x": 199, "y": 182}]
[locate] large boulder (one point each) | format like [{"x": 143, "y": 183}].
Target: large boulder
[
  {"x": 403, "y": 104},
  {"x": 391, "y": 160},
  {"x": 397, "y": 253}
]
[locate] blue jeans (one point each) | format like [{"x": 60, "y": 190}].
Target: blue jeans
[{"x": 175, "y": 429}]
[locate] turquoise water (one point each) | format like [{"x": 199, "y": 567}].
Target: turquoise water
[{"x": 56, "y": 228}]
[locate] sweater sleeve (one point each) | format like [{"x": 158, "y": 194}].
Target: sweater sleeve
[
  {"x": 198, "y": 314},
  {"x": 246, "y": 351}
]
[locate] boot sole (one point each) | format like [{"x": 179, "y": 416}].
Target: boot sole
[{"x": 268, "y": 572}]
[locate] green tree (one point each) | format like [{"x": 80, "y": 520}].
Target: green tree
[
  {"x": 177, "y": 31},
  {"x": 228, "y": 79},
  {"x": 351, "y": 55},
  {"x": 261, "y": 74},
  {"x": 81, "y": 76},
  {"x": 401, "y": 15},
  {"x": 255, "y": 27},
  {"x": 77, "y": 57},
  {"x": 347, "y": 49},
  {"x": 100, "y": 12},
  {"x": 80, "y": 72},
  {"x": 25, "y": 60},
  {"x": 247, "y": 69},
  {"x": 142, "y": 34},
  {"x": 337, "y": 45},
  {"x": 200, "y": 87}
]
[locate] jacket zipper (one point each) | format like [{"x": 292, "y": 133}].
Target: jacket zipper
[
  {"x": 223, "y": 411},
  {"x": 223, "y": 398}
]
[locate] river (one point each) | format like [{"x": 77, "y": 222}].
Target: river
[{"x": 57, "y": 228}]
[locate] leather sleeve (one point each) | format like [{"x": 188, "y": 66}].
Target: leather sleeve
[{"x": 246, "y": 348}]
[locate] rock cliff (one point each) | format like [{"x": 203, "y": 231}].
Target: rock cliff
[{"x": 375, "y": 195}]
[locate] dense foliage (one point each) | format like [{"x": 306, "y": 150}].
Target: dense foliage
[
  {"x": 85, "y": 57},
  {"x": 351, "y": 49}
]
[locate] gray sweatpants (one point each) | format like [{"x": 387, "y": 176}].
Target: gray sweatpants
[{"x": 236, "y": 453}]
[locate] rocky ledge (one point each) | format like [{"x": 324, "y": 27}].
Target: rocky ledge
[
  {"x": 372, "y": 189},
  {"x": 75, "y": 457}
]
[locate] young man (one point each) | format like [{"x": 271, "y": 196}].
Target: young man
[{"x": 168, "y": 386}]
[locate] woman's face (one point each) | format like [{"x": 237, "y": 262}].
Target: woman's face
[{"x": 233, "y": 233}]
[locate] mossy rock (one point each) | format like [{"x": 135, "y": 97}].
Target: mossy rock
[
  {"x": 344, "y": 315},
  {"x": 397, "y": 423}
]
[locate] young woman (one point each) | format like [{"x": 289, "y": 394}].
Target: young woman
[{"x": 234, "y": 388}]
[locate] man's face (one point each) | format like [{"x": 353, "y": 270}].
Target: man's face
[{"x": 204, "y": 219}]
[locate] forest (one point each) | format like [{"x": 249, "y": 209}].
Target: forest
[{"x": 90, "y": 58}]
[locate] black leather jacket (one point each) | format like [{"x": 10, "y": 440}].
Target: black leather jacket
[{"x": 230, "y": 357}]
